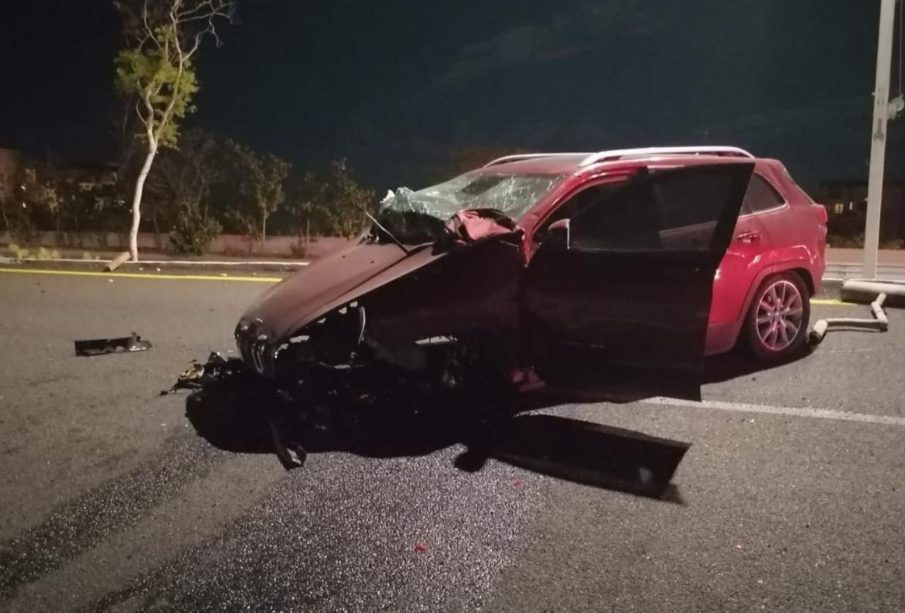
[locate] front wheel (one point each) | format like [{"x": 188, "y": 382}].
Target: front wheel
[{"x": 777, "y": 322}]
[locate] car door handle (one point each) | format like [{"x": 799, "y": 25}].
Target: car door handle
[{"x": 748, "y": 237}]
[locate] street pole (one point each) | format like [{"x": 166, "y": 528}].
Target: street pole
[{"x": 878, "y": 138}]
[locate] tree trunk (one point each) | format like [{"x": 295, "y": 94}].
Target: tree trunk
[
  {"x": 157, "y": 240},
  {"x": 136, "y": 199}
]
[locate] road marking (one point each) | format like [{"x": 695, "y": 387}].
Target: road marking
[
  {"x": 136, "y": 275},
  {"x": 225, "y": 263},
  {"x": 740, "y": 407}
]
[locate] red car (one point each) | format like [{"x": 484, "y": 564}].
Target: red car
[{"x": 583, "y": 271}]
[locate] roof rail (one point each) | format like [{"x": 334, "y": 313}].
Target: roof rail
[
  {"x": 618, "y": 154},
  {"x": 530, "y": 156}
]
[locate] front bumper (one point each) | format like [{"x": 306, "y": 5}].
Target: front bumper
[{"x": 256, "y": 346}]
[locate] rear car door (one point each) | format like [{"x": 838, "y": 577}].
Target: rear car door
[{"x": 621, "y": 304}]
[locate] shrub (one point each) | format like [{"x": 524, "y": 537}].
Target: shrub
[{"x": 192, "y": 233}]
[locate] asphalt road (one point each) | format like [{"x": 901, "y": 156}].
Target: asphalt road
[{"x": 790, "y": 496}]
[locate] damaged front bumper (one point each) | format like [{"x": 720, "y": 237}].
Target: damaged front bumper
[{"x": 256, "y": 347}]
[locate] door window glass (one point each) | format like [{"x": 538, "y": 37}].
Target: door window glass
[{"x": 675, "y": 210}]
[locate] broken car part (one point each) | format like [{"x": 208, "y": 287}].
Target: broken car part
[
  {"x": 863, "y": 292},
  {"x": 217, "y": 368},
  {"x": 229, "y": 376},
  {"x": 879, "y": 322},
  {"x": 103, "y": 346}
]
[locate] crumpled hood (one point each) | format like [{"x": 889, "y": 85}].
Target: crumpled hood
[{"x": 303, "y": 293}]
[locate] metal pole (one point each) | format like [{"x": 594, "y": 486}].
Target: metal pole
[{"x": 878, "y": 138}]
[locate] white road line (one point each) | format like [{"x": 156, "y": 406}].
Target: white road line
[{"x": 739, "y": 407}]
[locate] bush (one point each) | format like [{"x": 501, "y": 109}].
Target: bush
[
  {"x": 845, "y": 241},
  {"x": 19, "y": 222},
  {"x": 192, "y": 233},
  {"x": 857, "y": 242}
]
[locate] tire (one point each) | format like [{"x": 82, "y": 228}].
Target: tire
[{"x": 776, "y": 325}]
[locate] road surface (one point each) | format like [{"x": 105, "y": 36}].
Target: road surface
[{"x": 116, "y": 498}]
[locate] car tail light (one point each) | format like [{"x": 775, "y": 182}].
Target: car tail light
[{"x": 821, "y": 213}]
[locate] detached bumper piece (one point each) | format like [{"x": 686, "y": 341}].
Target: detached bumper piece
[{"x": 103, "y": 346}]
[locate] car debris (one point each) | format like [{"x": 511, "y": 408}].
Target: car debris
[
  {"x": 879, "y": 322},
  {"x": 215, "y": 369},
  {"x": 224, "y": 372},
  {"x": 863, "y": 292},
  {"x": 103, "y": 346}
]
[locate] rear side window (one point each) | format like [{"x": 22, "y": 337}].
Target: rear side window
[{"x": 761, "y": 196}]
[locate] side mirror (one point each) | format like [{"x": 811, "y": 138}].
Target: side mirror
[{"x": 558, "y": 234}]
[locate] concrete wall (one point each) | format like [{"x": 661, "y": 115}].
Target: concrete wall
[{"x": 225, "y": 244}]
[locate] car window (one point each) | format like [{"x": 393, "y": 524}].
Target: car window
[
  {"x": 625, "y": 218},
  {"x": 671, "y": 211},
  {"x": 580, "y": 201},
  {"x": 761, "y": 196}
]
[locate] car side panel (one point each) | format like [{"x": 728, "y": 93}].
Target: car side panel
[
  {"x": 795, "y": 238},
  {"x": 723, "y": 336},
  {"x": 803, "y": 232}
]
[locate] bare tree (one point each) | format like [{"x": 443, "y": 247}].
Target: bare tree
[{"x": 156, "y": 69}]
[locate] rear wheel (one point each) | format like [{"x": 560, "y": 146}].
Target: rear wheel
[{"x": 777, "y": 322}]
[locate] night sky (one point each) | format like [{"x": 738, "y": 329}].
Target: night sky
[{"x": 393, "y": 85}]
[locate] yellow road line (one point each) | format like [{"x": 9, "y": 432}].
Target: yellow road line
[
  {"x": 136, "y": 275},
  {"x": 166, "y": 277}
]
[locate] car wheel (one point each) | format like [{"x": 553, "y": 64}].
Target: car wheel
[{"x": 777, "y": 322}]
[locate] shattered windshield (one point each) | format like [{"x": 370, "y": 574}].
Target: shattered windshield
[{"x": 416, "y": 217}]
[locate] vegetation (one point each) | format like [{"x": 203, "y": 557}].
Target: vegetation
[
  {"x": 259, "y": 179},
  {"x": 195, "y": 185},
  {"x": 331, "y": 202},
  {"x": 50, "y": 198},
  {"x": 156, "y": 69},
  {"x": 209, "y": 185}
]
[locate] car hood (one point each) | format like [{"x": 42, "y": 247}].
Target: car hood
[{"x": 303, "y": 295}]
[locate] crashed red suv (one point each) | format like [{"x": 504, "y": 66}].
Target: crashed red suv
[{"x": 582, "y": 271}]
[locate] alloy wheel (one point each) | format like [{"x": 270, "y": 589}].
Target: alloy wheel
[{"x": 780, "y": 312}]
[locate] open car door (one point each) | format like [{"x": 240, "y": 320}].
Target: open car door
[{"x": 617, "y": 295}]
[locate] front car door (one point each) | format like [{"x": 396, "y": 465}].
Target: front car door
[{"x": 620, "y": 301}]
